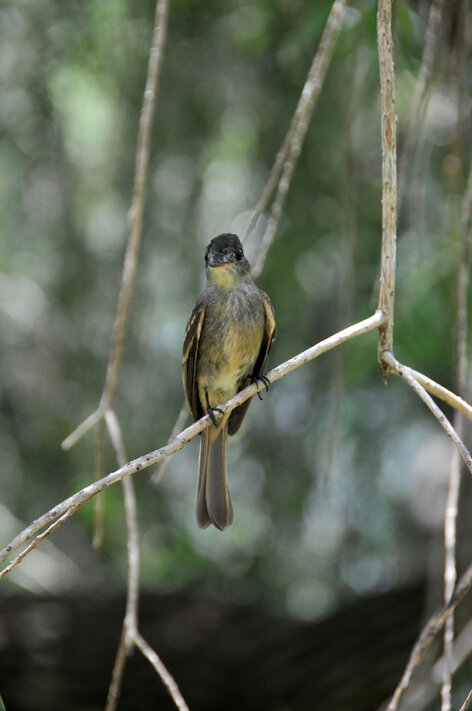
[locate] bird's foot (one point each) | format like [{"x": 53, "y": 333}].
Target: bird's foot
[
  {"x": 256, "y": 378},
  {"x": 210, "y": 411}
]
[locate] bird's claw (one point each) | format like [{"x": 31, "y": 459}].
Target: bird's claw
[{"x": 255, "y": 379}]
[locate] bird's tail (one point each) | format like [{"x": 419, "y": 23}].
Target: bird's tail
[{"x": 213, "y": 497}]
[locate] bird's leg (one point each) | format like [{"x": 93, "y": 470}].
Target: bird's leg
[
  {"x": 210, "y": 411},
  {"x": 255, "y": 379}
]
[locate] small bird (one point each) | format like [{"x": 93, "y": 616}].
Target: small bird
[{"x": 227, "y": 340}]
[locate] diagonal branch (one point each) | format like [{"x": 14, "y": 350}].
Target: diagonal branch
[
  {"x": 431, "y": 629},
  {"x": 80, "y": 497},
  {"x": 467, "y": 703},
  {"x": 286, "y": 159},
  {"x": 186, "y": 435},
  {"x": 168, "y": 680},
  {"x": 404, "y": 372},
  {"x": 135, "y": 218}
]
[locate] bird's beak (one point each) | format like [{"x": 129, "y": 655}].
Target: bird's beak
[{"x": 220, "y": 263}]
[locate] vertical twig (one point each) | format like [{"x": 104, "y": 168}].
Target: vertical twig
[
  {"x": 452, "y": 500},
  {"x": 287, "y": 157},
  {"x": 135, "y": 215},
  {"x": 135, "y": 219},
  {"x": 130, "y": 635},
  {"x": 389, "y": 180},
  {"x": 130, "y": 621}
]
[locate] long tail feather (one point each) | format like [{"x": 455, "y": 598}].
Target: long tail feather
[{"x": 213, "y": 498}]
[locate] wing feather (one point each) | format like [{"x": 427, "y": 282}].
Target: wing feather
[
  {"x": 237, "y": 415},
  {"x": 189, "y": 359}
]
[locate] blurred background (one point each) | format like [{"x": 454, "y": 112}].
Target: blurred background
[{"x": 338, "y": 482}]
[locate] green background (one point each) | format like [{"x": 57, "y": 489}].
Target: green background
[{"x": 338, "y": 482}]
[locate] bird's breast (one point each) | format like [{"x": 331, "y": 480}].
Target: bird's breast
[{"x": 229, "y": 345}]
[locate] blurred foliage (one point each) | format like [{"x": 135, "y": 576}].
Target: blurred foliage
[{"x": 338, "y": 482}]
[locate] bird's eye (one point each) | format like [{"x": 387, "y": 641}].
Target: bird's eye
[
  {"x": 239, "y": 254},
  {"x": 206, "y": 257}
]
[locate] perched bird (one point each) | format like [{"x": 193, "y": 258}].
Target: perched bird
[{"x": 227, "y": 340}]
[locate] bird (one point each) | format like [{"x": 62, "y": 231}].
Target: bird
[{"x": 228, "y": 336}]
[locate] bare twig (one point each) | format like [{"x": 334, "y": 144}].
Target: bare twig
[
  {"x": 389, "y": 180},
  {"x": 130, "y": 635},
  {"x": 83, "y": 428},
  {"x": 423, "y": 692},
  {"x": 404, "y": 372},
  {"x": 147, "y": 460},
  {"x": 135, "y": 218},
  {"x": 186, "y": 435},
  {"x": 40, "y": 538},
  {"x": 452, "y": 500},
  {"x": 130, "y": 622},
  {"x": 431, "y": 629},
  {"x": 467, "y": 702},
  {"x": 287, "y": 157},
  {"x": 168, "y": 680},
  {"x": 440, "y": 392}
]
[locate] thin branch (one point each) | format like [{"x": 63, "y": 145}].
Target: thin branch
[
  {"x": 452, "y": 499},
  {"x": 423, "y": 692},
  {"x": 431, "y": 629},
  {"x": 179, "y": 442},
  {"x": 166, "y": 677},
  {"x": 467, "y": 702},
  {"x": 83, "y": 428},
  {"x": 404, "y": 372},
  {"x": 186, "y": 435},
  {"x": 130, "y": 621},
  {"x": 389, "y": 180},
  {"x": 286, "y": 159},
  {"x": 39, "y": 538},
  {"x": 135, "y": 218},
  {"x": 130, "y": 635},
  {"x": 135, "y": 215},
  {"x": 440, "y": 392}
]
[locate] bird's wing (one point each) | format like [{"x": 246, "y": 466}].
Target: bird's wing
[
  {"x": 237, "y": 415},
  {"x": 189, "y": 359},
  {"x": 269, "y": 334}
]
